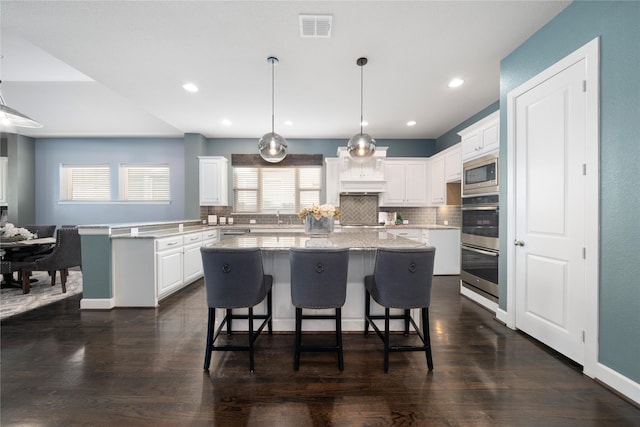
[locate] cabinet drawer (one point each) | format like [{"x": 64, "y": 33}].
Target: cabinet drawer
[
  {"x": 208, "y": 235},
  {"x": 168, "y": 243},
  {"x": 188, "y": 239}
]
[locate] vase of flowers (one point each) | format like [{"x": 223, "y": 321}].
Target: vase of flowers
[{"x": 319, "y": 219}]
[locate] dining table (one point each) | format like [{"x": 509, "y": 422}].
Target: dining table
[{"x": 12, "y": 251}]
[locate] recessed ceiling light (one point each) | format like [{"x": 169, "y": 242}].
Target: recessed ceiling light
[
  {"x": 226, "y": 122},
  {"x": 288, "y": 123},
  {"x": 456, "y": 82},
  {"x": 411, "y": 123},
  {"x": 190, "y": 87},
  {"x": 364, "y": 123}
]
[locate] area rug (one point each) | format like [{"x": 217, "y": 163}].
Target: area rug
[{"x": 13, "y": 301}]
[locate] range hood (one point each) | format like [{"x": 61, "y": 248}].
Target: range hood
[{"x": 362, "y": 177}]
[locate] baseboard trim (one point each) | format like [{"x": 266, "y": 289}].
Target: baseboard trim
[
  {"x": 618, "y": 383},
  {"x": 97, "y": 303}
]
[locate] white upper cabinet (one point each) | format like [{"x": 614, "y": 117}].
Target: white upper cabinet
[
  {"x": 453, "y": 164},
  {"x": 407, "y": 181},
  {"x": 481, "y": 138},
  {"x": 367, "y": 176},
  {"x": 332, "y": 181},
  {"x": 213, "y": 181},
  {"x": 438, "y": 185},
  {"x": 445, "y": 172}
]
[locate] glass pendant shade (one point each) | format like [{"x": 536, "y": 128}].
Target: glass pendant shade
[
  {"x": 272, "y": 147},
  {"x": 361, "y": 147},
  {"x": 11, "y": 117}
]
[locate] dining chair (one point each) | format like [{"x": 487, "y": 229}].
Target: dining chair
[
  {"x": 318, "y": 281},
  {"x": 65, "y": 255},
  {"x": 234, "y": 278},
  {"x": 401, "y": 279}
]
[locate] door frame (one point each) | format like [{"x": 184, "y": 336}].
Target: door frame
[{"x": 590, "y": 53}]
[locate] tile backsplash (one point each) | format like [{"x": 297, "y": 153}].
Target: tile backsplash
[
  {"x": 355, "y": 209},
  {"x": 358, "y": 209}
]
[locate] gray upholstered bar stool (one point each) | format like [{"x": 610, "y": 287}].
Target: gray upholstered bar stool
[
  {"x": 318, "y": 281},
  {"x": 234, "y": 278},
  {"x": 401, "y": 279}
]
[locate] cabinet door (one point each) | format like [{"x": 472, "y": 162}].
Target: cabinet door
[
  {"x": 192, "y": 262},
  {"x": 394, "y": 172},
  {"x": 470, "y": 145},
  {"x": 453, "y": 165},
  {"x": 415, "y": 183},
  {"x": 438, "y": 186},
  {"x": 332, "y": 181},
  {"x": 169, "y": 274},
  {"x": 213, "y": 181},
  {"x": 490, "y": 138}
]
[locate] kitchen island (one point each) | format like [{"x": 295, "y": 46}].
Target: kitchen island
[{"x": 275, "y": 253}]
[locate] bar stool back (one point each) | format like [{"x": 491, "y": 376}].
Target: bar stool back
[
  {"x": 234, "y": 278},
  {"x": 402, "y": 279},
  {"x": 318, "y": 281}
]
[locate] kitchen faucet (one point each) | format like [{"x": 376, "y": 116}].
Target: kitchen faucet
[{"x": 278, "y": 217}]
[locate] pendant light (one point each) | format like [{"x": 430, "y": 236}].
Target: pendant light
[
  {"x": 272, "y": 147},
  {"x": 361, "y": 146},
  {"x": 11, "y": 117}
]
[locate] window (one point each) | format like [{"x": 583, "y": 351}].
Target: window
[
  {"x": 270, "y": 189},
  {"x": 85, "y": 182},
  {"x": 144, "y": 182}
]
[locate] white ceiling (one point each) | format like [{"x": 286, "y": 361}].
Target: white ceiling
[{"x": 116, "y": 68}]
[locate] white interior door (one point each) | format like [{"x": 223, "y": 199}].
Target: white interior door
[{"x": 550, "y": 211}]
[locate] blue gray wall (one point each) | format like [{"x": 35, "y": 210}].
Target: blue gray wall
[
  {"x": 618, "y": 25},
  {"x": 180, "y": 154},
  {"x": 50, "y": 153},
  {"x": 451, "y": 137}
]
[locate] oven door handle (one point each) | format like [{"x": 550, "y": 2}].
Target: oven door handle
[
  {"x": 480, "y": 251},
  {"x": 481, "y": 208}
]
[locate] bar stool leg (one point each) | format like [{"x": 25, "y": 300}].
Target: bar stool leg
[
  {"x": 367, "y": 311},
  {"x": 229, "y": 314},
  {"x": 251, "y": 339},
  {"x": 210, "y": 328},
  {"x": 296, "y": 357},
  {"x": 386, "y": 340},
  {"x": 427, "y": 337},
  {"x": 339, "y": 337},
  {"x": 270, "y": 313}
]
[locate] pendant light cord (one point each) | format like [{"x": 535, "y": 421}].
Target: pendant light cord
[
  {"x": 273, "y": 65},
  {"x": 361, "y": 96}
]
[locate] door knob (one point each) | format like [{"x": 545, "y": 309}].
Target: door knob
[{"x": 518, "y": 242}]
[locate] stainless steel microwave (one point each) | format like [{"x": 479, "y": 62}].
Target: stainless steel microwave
[{"x": 480, "y": 176}]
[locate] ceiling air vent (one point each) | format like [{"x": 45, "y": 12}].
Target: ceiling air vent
[{"x": 316, "y": 26}]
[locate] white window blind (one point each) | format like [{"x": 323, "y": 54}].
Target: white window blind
[
  {"x": 144, "y": 182},
  {"x": 85, "y": 182},
  {"x": 271, "y": 189}
]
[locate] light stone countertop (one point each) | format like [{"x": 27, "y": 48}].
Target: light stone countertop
[
  {"x": 169, "y": 229},
  {"x": 365, "y": 240}
]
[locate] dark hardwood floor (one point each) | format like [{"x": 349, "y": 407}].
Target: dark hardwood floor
[{"x": 127, "y": 367}]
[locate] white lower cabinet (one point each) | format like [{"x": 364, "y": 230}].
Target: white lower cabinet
[
  {"x": 169, "y": 266},
  {"x": 146, "y": 270},
  {"x": 447, "y": 244},
  {"x": 192, "y": 260}
]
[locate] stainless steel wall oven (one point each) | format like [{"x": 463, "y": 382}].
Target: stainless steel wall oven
[{"x": 480, "y": 244}]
